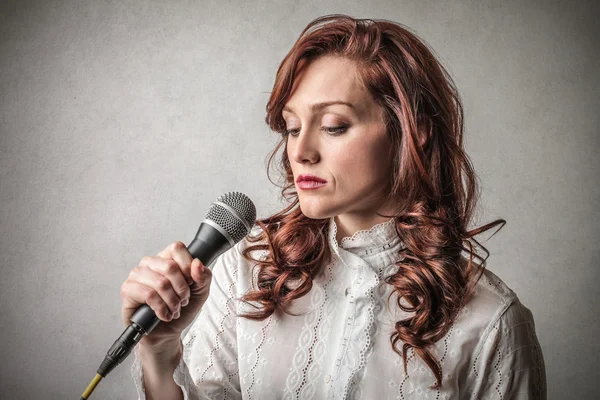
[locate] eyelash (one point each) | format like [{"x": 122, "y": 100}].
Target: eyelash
[{"x": 336, "y": 130}]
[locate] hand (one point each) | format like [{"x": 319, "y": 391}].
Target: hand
[{"x": 163, "y": 282}]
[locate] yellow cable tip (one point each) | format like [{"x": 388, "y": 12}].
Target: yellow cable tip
[{"x": 91, "y": 386}]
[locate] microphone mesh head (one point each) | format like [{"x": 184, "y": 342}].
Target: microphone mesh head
[{"x": 237, "y": 224}]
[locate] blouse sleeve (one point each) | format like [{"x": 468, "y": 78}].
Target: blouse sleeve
[
  {"x": 509, "y": 363},
  {"x": 209, "y": 367}
]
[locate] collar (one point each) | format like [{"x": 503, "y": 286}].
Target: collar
[{"x": 365, "y": 242}]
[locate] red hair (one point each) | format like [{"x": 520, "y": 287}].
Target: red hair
[{"x": 432, "y": 184}]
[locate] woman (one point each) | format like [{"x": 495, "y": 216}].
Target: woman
[{"x": 358, "y": 289}]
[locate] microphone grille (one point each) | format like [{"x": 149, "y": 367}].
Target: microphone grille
[{"x": 235, "y": 213}]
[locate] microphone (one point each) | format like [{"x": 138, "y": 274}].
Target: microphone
[{"x": 228, "y": 220}]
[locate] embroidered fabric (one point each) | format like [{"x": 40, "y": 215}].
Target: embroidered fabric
[
  {"x": 339, "y": 345},
  {"x": 365, "y": 241}
]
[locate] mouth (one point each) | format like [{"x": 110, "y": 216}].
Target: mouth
[
  {"x": 310, "y": 178},
  {"x": 310, "y": 182}
]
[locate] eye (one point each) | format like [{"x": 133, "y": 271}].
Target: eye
[
  {"x": 334, "y": 130},
  {"x": 290, "y": 132}
]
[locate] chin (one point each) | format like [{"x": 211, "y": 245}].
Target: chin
[{"x": 315, "y": 211}]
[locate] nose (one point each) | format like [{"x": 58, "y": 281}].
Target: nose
[{"x": 304, "y": 147}]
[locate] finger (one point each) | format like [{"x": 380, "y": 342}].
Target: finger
[
  {"x": 172, "y": 271},
  {"x": 160, "y": 283},
  {"x": 178, "y": 251},
  {"x": 200, "y": 274},
  {"x": 134, "y": 294}
]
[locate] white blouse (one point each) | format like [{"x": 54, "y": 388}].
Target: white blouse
[{"x": 339, "y": 348}]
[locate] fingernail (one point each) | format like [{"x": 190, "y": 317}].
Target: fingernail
[
  {"x": 176, "y": 315},
  {"x": 185, "y": 302}
]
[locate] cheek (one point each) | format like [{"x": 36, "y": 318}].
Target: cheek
[
  {"x": 343, "y": 165},
  {"x": 358, "y": 167},
  {"x": 365, "y": 164}
]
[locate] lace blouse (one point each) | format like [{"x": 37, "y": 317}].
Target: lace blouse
[{"x": 339, "y": 348}]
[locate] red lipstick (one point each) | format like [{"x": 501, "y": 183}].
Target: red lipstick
[{"x": 309, "y": 182}]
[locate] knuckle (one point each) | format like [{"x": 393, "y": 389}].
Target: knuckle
[
  {"x": 171, "y": 266},
  {"x": 124, "y": 290},
  {"x": 144, "y": 260},
  {"x": 177, "y": 245},
  {"x": 163, "y": 283},
  {"x": 152, "y": 295},
  {"x": 134, "y": 271}
]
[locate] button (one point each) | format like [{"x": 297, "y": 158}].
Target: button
[
  {"x": 327, "y": 378},
  {"x": 347, "y": 291}
]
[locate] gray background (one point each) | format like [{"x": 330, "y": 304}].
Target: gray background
[{"x": 121, "y": 122}]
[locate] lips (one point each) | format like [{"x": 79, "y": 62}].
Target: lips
[
  {"x": 310, "y": 178},
  {"x": 310, "y": 182}
]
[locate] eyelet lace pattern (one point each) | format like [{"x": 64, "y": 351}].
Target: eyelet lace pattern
[{"x": 339, "y": 345}]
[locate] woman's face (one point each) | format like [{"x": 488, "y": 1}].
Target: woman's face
[{"x": 346, "y": 145}]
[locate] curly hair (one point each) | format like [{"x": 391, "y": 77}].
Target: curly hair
[{"x": 432, "y": 184}]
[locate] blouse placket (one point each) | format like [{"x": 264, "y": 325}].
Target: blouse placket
[{"x": 349, "y": 362}]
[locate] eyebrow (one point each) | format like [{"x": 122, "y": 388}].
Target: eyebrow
[{"x": 320, "y": 106}]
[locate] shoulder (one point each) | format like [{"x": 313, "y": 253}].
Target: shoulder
[
  {"x": 506, "y": 358},
  {"x": 491, "y": 296},
  {"x": 493, "y": 308}
]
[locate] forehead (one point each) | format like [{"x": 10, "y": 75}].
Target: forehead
[{"x": 328, "y": 79}]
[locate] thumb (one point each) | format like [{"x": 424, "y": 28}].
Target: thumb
[{"x": 202, "y": 277}]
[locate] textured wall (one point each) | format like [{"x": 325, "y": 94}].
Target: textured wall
[{"x": 120, "y": 123}]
